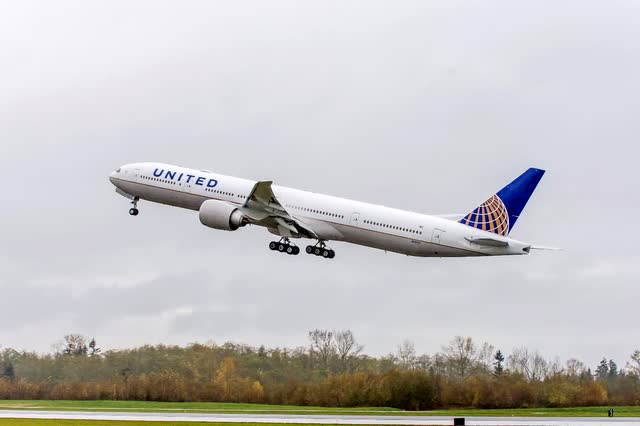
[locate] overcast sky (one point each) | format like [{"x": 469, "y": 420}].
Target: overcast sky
[{"x": 427, "y": 106}]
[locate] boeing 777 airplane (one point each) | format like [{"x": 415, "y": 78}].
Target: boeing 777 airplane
[{"x": 229, "y": 203}]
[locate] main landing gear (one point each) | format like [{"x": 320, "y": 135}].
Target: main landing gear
[
  {"x": 320, "y": 249},
  {"x": 284, "y": 246},
  {"x": 133, "y": 211}
]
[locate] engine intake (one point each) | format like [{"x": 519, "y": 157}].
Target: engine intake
[{"x": 221, "y": 215}]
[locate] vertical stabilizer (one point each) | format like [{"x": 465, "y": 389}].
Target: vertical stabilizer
[{"x": 500, "y": 212}]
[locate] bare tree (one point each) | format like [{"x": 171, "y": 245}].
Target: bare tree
[
  {"x": 528, "y": 363},
  {"x": 347, "y": 348},
  {"x": 75, "y": 344},
  {"x": 323, "y": 345},
  {"x": 463, "y": 356},
  {"x": 634, "y": 366},
  {"x": 407, "y": 354},
  {"x": 574, "y": 367},
  {"x": 554, "y": 367},
  {"x": 485, "y": 357},
  {"x": 424, "y": 362}
]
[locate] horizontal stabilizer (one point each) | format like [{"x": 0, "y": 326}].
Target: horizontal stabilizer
[
  {"x": 546, "y": 248},
  {"x": 487, "y": 241},
  {"x": 451, "y": 216}
]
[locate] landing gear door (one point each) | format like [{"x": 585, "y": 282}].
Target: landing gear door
[{"x": 355, "y": 219}]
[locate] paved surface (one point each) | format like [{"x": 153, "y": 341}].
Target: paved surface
[{"x": 328, "y": 419}]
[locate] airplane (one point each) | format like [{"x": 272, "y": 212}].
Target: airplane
[{"x": 229, "y": 203}]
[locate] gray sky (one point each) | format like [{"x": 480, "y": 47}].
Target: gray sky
[{"x": 427, "y": 106}]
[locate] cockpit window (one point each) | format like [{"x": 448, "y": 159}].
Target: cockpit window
[{"x": 118, "y": 171}]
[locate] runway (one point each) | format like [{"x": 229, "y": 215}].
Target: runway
[{"x": 315, "y": 419}]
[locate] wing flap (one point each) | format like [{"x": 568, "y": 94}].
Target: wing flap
[
  {"x": 262, "y": 207},
  {"x": 262, "y": 197}
]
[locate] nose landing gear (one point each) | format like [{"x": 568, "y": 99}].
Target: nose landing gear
[
  {"x": 133, "y": 211},
  {"x": 321, "y": 250},
  {"x": 284, "y": 246}
]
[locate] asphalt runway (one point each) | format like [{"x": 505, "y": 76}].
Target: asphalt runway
[{"x": 309, "y": 419}]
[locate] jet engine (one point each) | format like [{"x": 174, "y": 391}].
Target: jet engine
[{"x": 221, "y": 215}]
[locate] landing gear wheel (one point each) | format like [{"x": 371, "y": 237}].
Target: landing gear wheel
[
  {"x": 284, "y": 246},
  {"x": 321, "y": 249}
]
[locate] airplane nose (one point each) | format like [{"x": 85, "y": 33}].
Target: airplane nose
[{"x": 112, "y": 177}]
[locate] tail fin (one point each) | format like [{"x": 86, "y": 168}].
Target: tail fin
[{"x": 499, "y": 213}]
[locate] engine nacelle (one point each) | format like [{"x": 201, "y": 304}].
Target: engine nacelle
[{"x": 221, "y": 215}]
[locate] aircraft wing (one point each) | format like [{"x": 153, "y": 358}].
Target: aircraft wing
[{"x": 263, "y": 208}]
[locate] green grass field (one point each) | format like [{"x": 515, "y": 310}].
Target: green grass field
[
  {"x": 217, "y": 407},
  {"x": 197, "y": 407},
  {"x": 31, "y": 422}
]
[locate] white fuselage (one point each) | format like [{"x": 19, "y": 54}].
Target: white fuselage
[{"x": 331, "y": 218}]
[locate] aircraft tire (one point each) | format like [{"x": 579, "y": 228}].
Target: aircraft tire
[
  {"x": 290, "y": 249},
  {"x": 273, "y": 245},
  {"x": 133, "y": 212},
  {"x": 281, "y": 247},
  {"x": 309, "y": 249},
  {"x": 332, "y": 254},
  {"x": 296, "y": 251}
]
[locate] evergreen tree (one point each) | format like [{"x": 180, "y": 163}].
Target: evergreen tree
[
  {"x": 93, "y": 349},
  {"x": 613, "y": 368},
  {"x": 8, "y": 371},
  {"x": 602, "y": 372},
  {"x": 498, "y": 366}
]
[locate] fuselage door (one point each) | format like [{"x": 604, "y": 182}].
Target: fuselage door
[
  {"x": 355, "y": 219},
  {"x": 437, "y": 236},
  {"x": 186, "y": 187}
]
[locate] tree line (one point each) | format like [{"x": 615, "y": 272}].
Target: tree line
[{"x": 332, "y": 370}]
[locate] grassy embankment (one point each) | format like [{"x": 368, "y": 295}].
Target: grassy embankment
[{"x": 215, "y": 407}]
